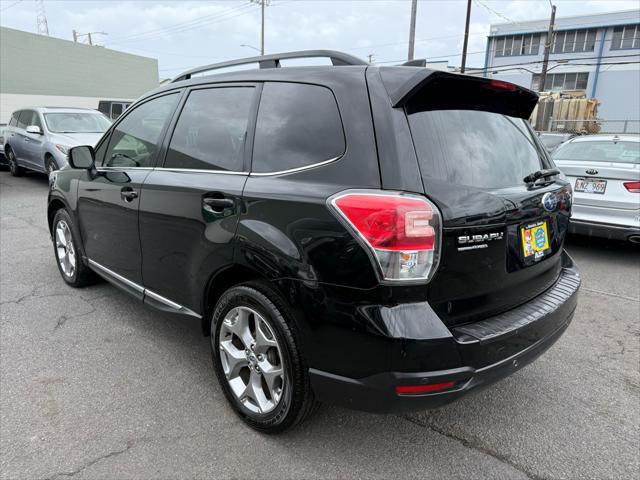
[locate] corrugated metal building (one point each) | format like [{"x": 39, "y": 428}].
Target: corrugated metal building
[
  {"x": 596, "y": 53},
  {"x": 36, "y": 70}
]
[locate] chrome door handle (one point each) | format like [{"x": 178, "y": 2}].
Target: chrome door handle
[{"x": 217, "y": 204}]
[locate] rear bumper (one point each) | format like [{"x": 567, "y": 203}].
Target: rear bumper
[
  {"x": 603, "y": 230},
  {"x": 490, "y": 350},
  {"x": 605, "y": 222}
]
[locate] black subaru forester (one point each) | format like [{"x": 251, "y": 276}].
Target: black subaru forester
[{"x": 382, "y": 238}]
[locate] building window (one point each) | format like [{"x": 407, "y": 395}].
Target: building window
[
  {"x": 626, "y": 37},
  {"x": 561, "y": 81},
  {"x": 515, "y": 45},
  {"x": 571, "y": 41}
]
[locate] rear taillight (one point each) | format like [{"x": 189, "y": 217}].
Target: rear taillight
[
  {"x": 633, "y": 187},
  {"x": 402, "y": 231}
]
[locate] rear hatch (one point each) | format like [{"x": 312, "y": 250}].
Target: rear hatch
[
  {"x": 502, "y": 238},
  {"x": 599, "y": 168}
]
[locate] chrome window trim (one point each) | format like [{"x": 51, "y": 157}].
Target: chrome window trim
[
  {"x": 297, "y": 169},
  {"x": 196, "y": 170},
  {"x": 120, "y": 169},
  {"x": 144, "y": 291}
]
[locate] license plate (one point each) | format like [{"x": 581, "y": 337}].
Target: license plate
[
  {"x": 589, "y": 185},
  {"x": 535, "y": 240}
]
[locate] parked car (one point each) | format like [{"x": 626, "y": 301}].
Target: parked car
[
  {"x": 382, "y": 238},
  {"x": 39, "y": 138},
  {"x": 551, "y": 141},
  {"x": 605, "y": 173},
  {"x": 3, "y": 160},
  {"x": 113, "y": 108}
]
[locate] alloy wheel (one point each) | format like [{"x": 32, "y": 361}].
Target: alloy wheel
[
  {"x": 13, "y": 166},
  {"x": 65, "y": 249},
  {"x": 251, "y": 359}
]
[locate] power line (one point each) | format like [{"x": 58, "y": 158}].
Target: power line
[
  {"x": 178, "y": 24},
  {"x": 10, "y": 5},
  {"x": 184, "y": 26}
]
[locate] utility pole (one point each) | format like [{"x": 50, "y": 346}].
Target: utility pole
[
  {"x": 547, "y": 49},
  {"x": 370, "y": 56},
  {"x": 412, "y": 29},
  {"x": 262, "y": 3},
  {"x": 89, "y": 35},
  {"x": 466, "y": 38},
  {"x": 75, "y": 37},
  {"x": 262, "y": 31}
]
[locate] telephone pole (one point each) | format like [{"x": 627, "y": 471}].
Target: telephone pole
[
  {"x": 412, "y": 29},
  {"x": 547, "y": 49},
  {"x": 466, "y": 38},
  {"x": 262, "y": 3}
]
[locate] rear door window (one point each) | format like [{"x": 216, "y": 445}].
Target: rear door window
[
  {"x": 474, "y": 148},
  {"x": 212, "y": 130},
  {"x": 298, "y": 125},
  {"x": 24, "y": 118}
]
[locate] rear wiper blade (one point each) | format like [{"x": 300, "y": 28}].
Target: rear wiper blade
[{"x": 544, "y": 173}]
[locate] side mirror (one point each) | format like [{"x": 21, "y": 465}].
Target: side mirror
[
  {"x": 82, "y": 157},
  {"x": 34, "y": 129}
]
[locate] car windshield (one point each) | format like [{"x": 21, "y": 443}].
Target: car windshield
[
  {"x": 474, "y": 148},
  {"x": 76, "y": 122},
  {"x": 600, "y": 151}
]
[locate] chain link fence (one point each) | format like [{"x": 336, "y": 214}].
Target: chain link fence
[{"x": 593, "y": 126}]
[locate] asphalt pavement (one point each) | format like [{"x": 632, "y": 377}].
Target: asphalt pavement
[{"x": 95, "y": 385}]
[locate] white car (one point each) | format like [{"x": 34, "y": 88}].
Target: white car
[{"x": 605, "y": 173}]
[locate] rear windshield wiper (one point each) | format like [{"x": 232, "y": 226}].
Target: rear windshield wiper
[{"x": 544, "y": 173}]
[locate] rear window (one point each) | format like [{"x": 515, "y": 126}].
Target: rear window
[
  {"x": 479, "y": 149},
  {"x": 298, "y": 125},
  {"x": 596, "y": 151}
]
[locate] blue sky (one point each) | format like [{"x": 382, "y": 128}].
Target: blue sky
[{"x": 183, "y": 34}]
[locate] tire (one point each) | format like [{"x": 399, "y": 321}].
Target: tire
[
  {"x": 15, "y": 169},
  {"x": 288, "y": 398},
  {"x": 50, "y": 164},
  {"x": 67, "y": 252}
]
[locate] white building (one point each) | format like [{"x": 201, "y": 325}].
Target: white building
[{"x": 595, "y": 53}]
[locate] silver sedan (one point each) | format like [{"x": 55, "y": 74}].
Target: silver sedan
[{"x": 605, "y": 173}]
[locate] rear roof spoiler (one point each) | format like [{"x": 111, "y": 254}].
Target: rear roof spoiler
[{"x": 424, "y": 89}]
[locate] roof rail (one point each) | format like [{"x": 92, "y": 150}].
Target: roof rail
[{"x": 273, "y": 61}]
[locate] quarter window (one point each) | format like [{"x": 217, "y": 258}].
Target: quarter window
[
  {"x": 134, "y": 141},
  {"x": 298, "y": 125},
  {"x": 14, "y": 119},
  {"x": 212, "y": 130}
]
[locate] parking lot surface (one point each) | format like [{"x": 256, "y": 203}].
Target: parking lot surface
[{"x": 93, "y": 384}]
